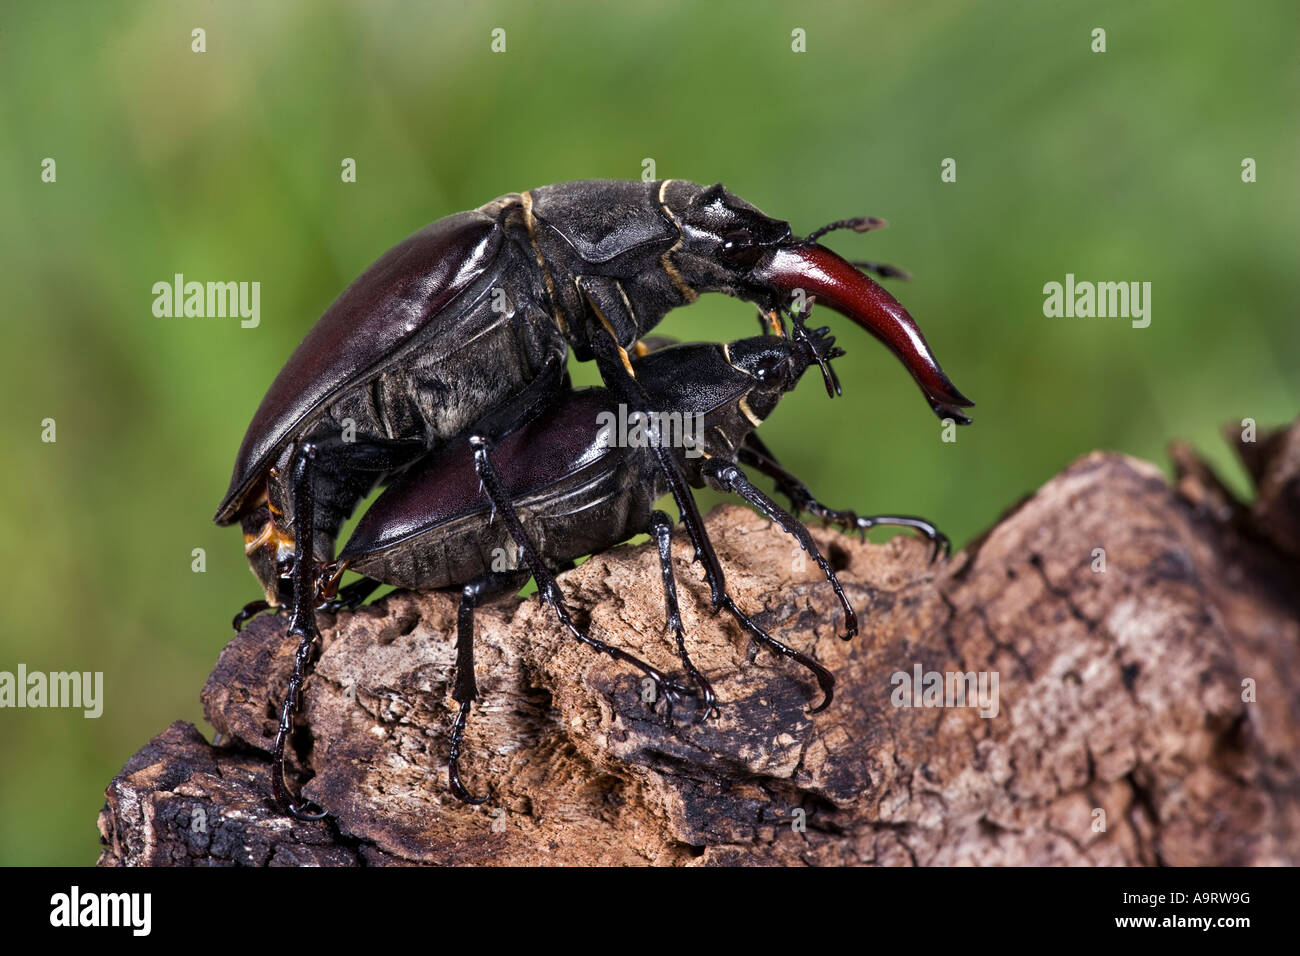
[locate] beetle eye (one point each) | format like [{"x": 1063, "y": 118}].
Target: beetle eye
[
  {"x": 739, "y": 248},
  {"x": 735, "y": 239},
  {"x": 769, "y": 367}
]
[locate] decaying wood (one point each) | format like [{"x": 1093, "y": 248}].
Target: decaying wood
[{"x": 1146, "y": 642}]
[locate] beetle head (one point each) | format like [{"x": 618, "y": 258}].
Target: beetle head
[
  {"x": 729, "y": 389},
  {"x": 776, "y": 364},
  {"x": 729, "y": 246},
  {"x": 723, "y": 239}
]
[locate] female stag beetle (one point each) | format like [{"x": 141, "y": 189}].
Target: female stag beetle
[
  {"x": 464, "y": 326},
  {"x": 560, "y": 488}
]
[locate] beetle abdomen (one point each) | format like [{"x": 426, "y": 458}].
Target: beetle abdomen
[
  {"x": 433, "y": 528},
  {"x": 607, "y": 508},
  {"x": 506, "y": 337},
  {"x": 374, "y": 317}
]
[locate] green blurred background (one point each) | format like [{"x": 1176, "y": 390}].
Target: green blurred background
[{"x": 225, "y": 165}]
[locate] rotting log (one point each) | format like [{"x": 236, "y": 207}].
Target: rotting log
[{"x": 1145, "y": 641}]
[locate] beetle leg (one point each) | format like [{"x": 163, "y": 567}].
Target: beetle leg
[
  {"x": 302, "y": 622},
  {"x": 729, "y": 477},
  {"x": 825, "y": 679},
  {"x": 465, "y": 690},
  {"x": 250, "y": 611},
  {"x": 616, "y": 372},
  {"x": 661, "y": 526},
  {"x": 546, "y": 584},
  {"x": 351, "y": 596},
  {"x": 755, "y": 453},
  {"x": 619, "y": 379}
]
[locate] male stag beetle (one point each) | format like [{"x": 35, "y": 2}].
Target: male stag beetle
[{"x": 465, "y": 325}]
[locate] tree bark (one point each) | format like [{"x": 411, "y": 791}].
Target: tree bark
[{"x": 1145, "y": 640}]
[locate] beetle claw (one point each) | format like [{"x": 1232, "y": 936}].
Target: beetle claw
[
  {"x": 299, "y": 811},
  {"x": 707, "y": 697},
  {"x": 250, "y": 611}
]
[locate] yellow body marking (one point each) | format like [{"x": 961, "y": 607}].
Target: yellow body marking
[{"x": 558, "y": 316}]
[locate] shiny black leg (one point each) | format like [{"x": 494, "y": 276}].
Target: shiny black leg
[
  {"x": 248, "y": 612},
  {"x": 757, "y": 455},
  {"x": 661, "y": 528},
  {"x": 302, "y": 624},
  {"x": 546, "y": 584},
  {"x": 729, "y": 477},
  {"x": 465, "y": 690}
]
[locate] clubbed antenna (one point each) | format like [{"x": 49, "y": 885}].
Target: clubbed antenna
[{"x": 857, "y": 224}]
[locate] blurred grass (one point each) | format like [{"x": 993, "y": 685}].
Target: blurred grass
[{"x": 225, "y": 166}]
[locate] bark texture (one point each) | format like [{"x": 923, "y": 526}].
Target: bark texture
[{"x": 1145, "y": 640}]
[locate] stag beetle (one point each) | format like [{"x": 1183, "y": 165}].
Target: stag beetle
[
  {"x": 463, "y": 327},
  {"x": 482, "y": 520},
  {"x": 472, "y": 315}
]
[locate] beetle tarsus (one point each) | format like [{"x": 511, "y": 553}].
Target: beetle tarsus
[
  {"x": 939, "y": 543},
  {"x": 546, "y": 584},
  {"x": 661, "y": 527},
  {"x": 248, "y": 612},
  {"x": 465, "y": 690},
  {"x": 302, "y": 624},
  {"x": 825, "y": 679},
  {"x": 453, "y": 758},
  {"x": 279, "y": 770},
  {"x": 729, "y": 477},
  {"x": 755, "y": 453}
]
